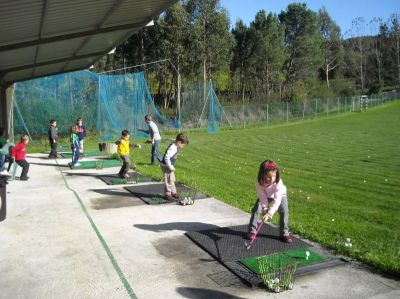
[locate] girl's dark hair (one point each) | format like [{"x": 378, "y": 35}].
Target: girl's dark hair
[
  {"x": 125, "y": 133},
  {"x": 266, "y": 166}
]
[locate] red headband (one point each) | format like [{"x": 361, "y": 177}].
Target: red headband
[{"x": 270, "y": 165}]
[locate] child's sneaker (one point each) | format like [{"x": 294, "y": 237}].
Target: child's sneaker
[
  {"x": 251, "y": 236},
  {"x": 176, "y": 195},
  {"x": 286, "y": 239}
]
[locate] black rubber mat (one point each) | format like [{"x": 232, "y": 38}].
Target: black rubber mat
[
  {"x": 153, "y": 194},
  {"x": 114, "y": 179},
  {"x": 227, "y": 245}
]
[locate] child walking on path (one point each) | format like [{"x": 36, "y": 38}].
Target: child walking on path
[
  {"x": 167, "y": 166},
  {"x": 123, "y": 150},
  {"x": 272, "y": 197},
  {"x": 53, "y": 135},
  {"x": 75, "y": 146},
  {"x": 18, "y": 153},
  {"x": 81, "y": 133}
]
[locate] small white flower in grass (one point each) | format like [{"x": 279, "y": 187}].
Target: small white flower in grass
[
  {"x": 307, "y": 254},
  {"x": 365, "y": 181},
  {"x": 348, "y": 240},
  {"x": 346, "y": 244},
  {"x": 276, "y": 280},
  {"x": 300, "y": 191},
  {"x": 350, "y": 244},
  {"x": 333, "y": 220},
  {"x": 386, "y": 180},
  {"x": 369, "y": 157},
  {"x": 320, "y": 187},
  {"x": 308, "y": 197}
]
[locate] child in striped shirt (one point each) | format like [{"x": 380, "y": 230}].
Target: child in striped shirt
[{"x": 168, "y": 168}]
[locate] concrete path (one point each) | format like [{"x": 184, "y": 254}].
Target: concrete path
[{"x": 68, "y": 235}]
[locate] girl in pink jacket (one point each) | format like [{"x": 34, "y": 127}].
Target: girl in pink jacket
[{"x": 272, "y": 197}]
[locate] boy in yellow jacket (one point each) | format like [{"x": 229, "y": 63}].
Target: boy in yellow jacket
[{"x": 123, "y": 150}]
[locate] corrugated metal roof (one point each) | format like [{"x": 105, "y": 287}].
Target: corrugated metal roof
[{"x": 44, "y": 37}]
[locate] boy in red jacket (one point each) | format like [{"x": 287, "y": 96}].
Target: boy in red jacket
[{"x": 18, "y": 153}]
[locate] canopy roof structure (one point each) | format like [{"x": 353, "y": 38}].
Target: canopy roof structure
[{"x": 45, "y": 37}]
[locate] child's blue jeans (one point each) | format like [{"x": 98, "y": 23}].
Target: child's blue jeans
[{"x": 75, "y": 156}]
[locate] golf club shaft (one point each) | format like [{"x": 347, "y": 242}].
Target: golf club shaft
[{"x": 258, "y": 229}]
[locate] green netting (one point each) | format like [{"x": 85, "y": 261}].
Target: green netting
[
  {"x": 201, "y": 107},
  {"x": 297, "y": 255},
  {"x": 124, "y": 100},
  {"x": 108, "y": 103},
  {"x": 63, "y": 97},
  {"x": 96, "y": 164}
]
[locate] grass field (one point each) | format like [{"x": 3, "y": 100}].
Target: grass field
[{"x": 342, "y": 175}]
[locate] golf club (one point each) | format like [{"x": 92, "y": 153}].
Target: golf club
[{"x": 252, "y": 241}]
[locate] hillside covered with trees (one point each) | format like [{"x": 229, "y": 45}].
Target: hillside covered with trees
[{"x": 295, "y": 55}]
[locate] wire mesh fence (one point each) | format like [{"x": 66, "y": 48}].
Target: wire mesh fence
[{"x": 273, "y": 113}]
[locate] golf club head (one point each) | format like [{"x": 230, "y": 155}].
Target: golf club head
[{"x": 247, "y": 245}]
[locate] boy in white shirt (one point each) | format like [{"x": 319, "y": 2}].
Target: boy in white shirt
[
  {"x": 155, "y": 138},
  {"x": 167, "y": 166}
]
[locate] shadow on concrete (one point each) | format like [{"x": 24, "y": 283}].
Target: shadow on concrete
[
  {"x": 205, "y": 293},
  {"x": 112, "y": 192},
  {"x": 81, "y": 174},
  {"x": 49, "y": 164},
  {"x": 183, "y": 226}
]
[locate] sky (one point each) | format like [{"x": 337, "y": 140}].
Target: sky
[{"x": 343, "y": 12}]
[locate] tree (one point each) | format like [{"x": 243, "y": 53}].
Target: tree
[
  {"x": 395, "y": 36},
  {"x": 332, "y": 48},
  {"x": 377, "y": 43},
  {"x": 303, "y": 45},
  {"x": 212, "y": 40},
  {"x": 357, "y": 50}
]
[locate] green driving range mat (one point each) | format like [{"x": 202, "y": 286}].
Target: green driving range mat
[
  {"x": 153, "y": 194},
  {"x": 96, "y": 164},
  {"x": 85, "y": 154},
  {"x": 227, "y": 246},
  {"x": 114, "y": 179},
  {"x": 296, "y": 255}
]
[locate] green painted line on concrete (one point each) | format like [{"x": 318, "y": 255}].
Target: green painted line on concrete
[{"x": 102, "y": 241}]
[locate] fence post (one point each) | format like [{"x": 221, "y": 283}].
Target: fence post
[
  {"x": 287, "y": 111},
  {"x": 338, "y": 107},
  {"x": 327, "y": 106}
]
